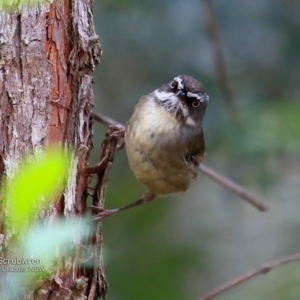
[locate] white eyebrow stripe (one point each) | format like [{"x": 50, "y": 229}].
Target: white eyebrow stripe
[
  {"x": 194, "y": 95},
  {"x": 201, "y": 97},
  {"x": 180, "y": 84}
]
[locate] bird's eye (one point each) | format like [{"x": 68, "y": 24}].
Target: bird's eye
[
  {"x": 195, "y": 103},
  {"x": 173, "y": 84}
]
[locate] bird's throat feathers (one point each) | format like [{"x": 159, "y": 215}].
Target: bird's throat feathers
[{"x": 174, "y": 107}]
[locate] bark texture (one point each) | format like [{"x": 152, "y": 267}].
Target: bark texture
[{"x": 48, "y": 54}]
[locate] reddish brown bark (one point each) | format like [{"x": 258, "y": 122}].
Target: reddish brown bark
[
  {"x": 48, "y": 55},
  {"x": 58, "y": 51}
]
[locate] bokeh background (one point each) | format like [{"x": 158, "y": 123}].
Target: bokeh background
[{"x": 182, "y": 246}]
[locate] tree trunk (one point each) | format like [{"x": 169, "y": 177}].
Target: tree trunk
[{"x": 48, "y": 54}]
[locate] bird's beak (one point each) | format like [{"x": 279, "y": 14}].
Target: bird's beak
[{"x": 181, "y": 94}]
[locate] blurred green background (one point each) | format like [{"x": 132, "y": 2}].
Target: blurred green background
[{"x": 182, "y": 246}]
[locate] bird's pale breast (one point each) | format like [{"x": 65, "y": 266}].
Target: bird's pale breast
[{"x": 156, "y": 146}]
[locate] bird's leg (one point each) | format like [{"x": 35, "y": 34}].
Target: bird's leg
[{"x": 105, "y": 213}]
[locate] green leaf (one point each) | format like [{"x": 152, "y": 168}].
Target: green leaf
[
  {"x": 40, "y": 249},
  {"x": 18, "y": 5},
  {"x": 38, "y": 181},
  {"x": 47, "y": 243}
]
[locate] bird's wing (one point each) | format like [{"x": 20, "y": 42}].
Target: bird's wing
[{"x": 196, "y": 149}]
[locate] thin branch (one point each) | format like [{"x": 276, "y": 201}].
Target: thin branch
[
  {"x": 211, "y": 28},
  {"x": 98, "y": 283},
  {"x": 266, "y": 268},
  {"x": 243, "y": 193},
  {"x": 234, "y": 187}
]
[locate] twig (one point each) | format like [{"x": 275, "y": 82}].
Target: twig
[
  {"x": 105, "y": 120},
  {"x": 241, "y": 279},
  {"x": 234, "y": 187},
  {"x": 213, "y": 36},
  {"x": 220, "y": 179},
  {"x": 99, "y": 284}
]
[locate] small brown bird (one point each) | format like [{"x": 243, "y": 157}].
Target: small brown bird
[{"x": 164, "y": 138}]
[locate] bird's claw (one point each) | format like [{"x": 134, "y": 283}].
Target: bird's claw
[{"x": 117, "y": 131}]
